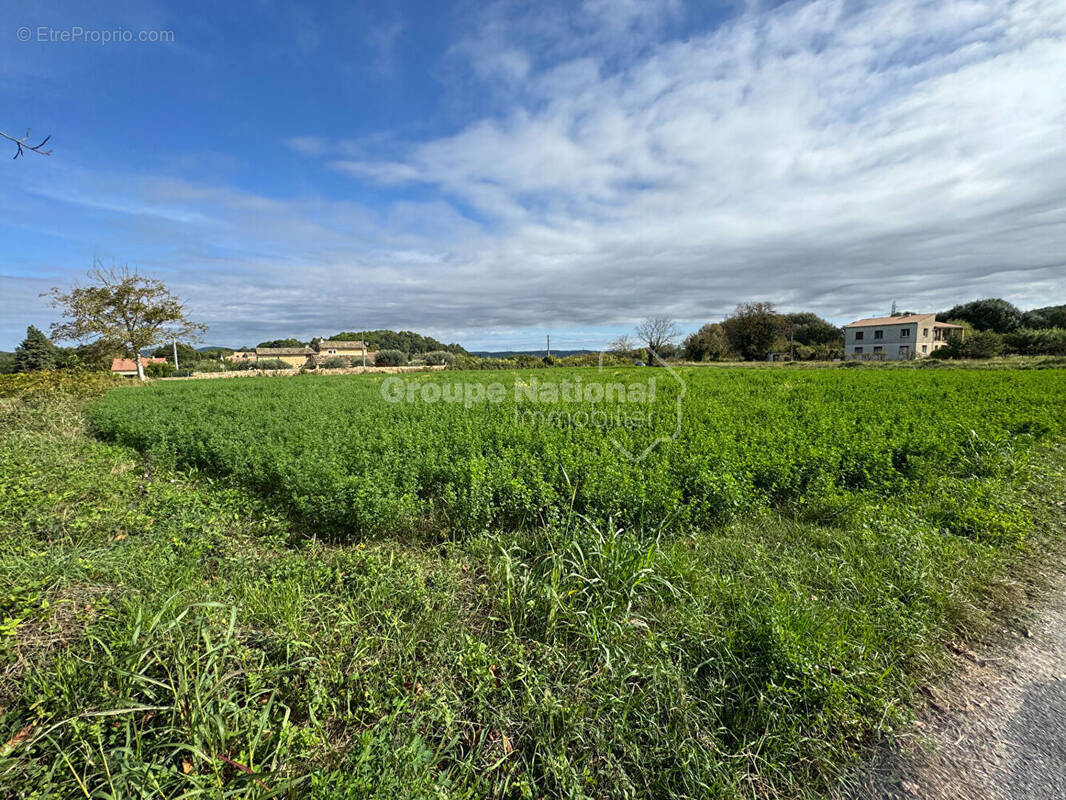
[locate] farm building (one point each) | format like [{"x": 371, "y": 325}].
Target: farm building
[
  {"x": 301, "y": 356},
  {"x": 895, "y": 338},
  {"x": 128, "y": 367},
  {"x": 293, "y": 356},
  {"x": 328, "y": 348}
]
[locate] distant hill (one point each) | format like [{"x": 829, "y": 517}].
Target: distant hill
[{"x": 510, "y": 353}]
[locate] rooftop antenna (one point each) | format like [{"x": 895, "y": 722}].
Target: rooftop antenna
[{"x": 893, "y": 309}]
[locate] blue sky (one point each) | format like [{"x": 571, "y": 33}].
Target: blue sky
[{"x": 490, "y": 172}]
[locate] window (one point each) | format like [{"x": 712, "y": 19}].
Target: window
[
  {"x": 879, "y": 334},
  {"x": 925, "y": 333},
  {"x": 858, "y": 349},
  {"x": 904, "y": 333},
  {"x": 878, "y": 348},
  {"x": 858, "y": 336},
  {"x": 925, "y": 348},
  {"x": 332, "y": 351},
  {"x": 904, "y": 350}
]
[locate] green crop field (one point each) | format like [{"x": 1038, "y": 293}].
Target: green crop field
[
  {"x": 467, "y": 585},
  {"x": 361, "y": 456}
]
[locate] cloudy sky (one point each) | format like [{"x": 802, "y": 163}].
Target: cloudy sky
[{"x": 488, "y": 172}]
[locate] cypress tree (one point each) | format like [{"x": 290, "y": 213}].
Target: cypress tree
[{"x": 35, "y": 353}]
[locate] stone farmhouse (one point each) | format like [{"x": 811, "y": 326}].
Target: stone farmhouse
[
  {"x": 895, "y": 338},
  {"x": 306, "y": 356}
]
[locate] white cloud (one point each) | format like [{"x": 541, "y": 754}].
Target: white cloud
[
  {"x": 849, "y": 153},
  {"x": 308, "y": 145}
]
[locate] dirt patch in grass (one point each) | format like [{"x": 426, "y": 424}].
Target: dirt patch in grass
[{"x": 40, "y": 624}]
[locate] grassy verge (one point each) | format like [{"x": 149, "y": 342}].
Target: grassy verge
[{"x": 169, "y": 634}]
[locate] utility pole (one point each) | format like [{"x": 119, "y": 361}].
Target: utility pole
[
  {"x": 364, "y": 354},
  {"x": 548, "y": 346},
  {"x": 175, "y": 354}
]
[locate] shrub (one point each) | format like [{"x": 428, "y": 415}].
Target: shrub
[
  {"x": 159, "y": 369},
  {"x": 940, "y": 354},
  {"x": 981, "y": 344},
  {"x": 272, "y": 363},
  {"x": 976, "y": 344},
  {"x": 390, "y": 358},
  {"x": 336, "y": 362},
  {"x": 1046, "y": 342},
  {"x": 206, "y": 365},
  {"x": 990, "y": 314},
  {"x": 594, "y": 360},
  {"x": 437, "y": 358},
  {"x": 523, "y": 361}
]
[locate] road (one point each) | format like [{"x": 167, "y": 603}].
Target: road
[{"x": 996, "y": 732}]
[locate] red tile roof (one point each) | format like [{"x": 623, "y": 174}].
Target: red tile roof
[
  {"x": 900, "y": 320},
  {"x": 128, "y": 364}
]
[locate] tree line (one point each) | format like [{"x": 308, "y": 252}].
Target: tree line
[
  {"x": 753, "y": 332},
  {"x": 756, "y": 330},
  {"x": 407, "y": 342},
  {"x": 996, "y": 327},
  {"x": 123, "y": 312}
]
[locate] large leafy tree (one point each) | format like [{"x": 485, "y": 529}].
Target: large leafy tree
[
  {"x": 754, "y": 330},
  {"x": 1046, "y": 317},
  {"x": 990, "y": 314},
  {"x": 282, "y": 343},
  {"x": 124, "y": 306},
  {"x": 708, "y": 343},
  {"x": 35, "y": 353},
  {"x": 187, "y": 354},
  {"x": 807, "y": 328}
]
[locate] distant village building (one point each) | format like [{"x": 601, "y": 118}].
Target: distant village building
[
  {"x": 128, "y": 367},
  {"x": 293, "y": 356},
  {"x": 329, "y": 348},
  {"x": 306, "y": 356},
  {"x": 895, "y": 338}
]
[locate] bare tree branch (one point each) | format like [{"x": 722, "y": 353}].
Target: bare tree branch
[
  {"x": 23, "y": 144},
  {"x": 657, "y": 333},
  {"x": 622, "y": 346}
]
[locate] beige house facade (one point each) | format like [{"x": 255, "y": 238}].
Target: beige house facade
[
  {"x": 331, "y": 348},
  {"x": 293, "y": 356},
  {"x": 895, "y": 338},
  {"x": 356, "y": 352}
]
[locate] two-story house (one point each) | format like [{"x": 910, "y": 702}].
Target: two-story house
[
  {"x": 895, "y": 338},
  {"x": 333, "y": 348}
]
